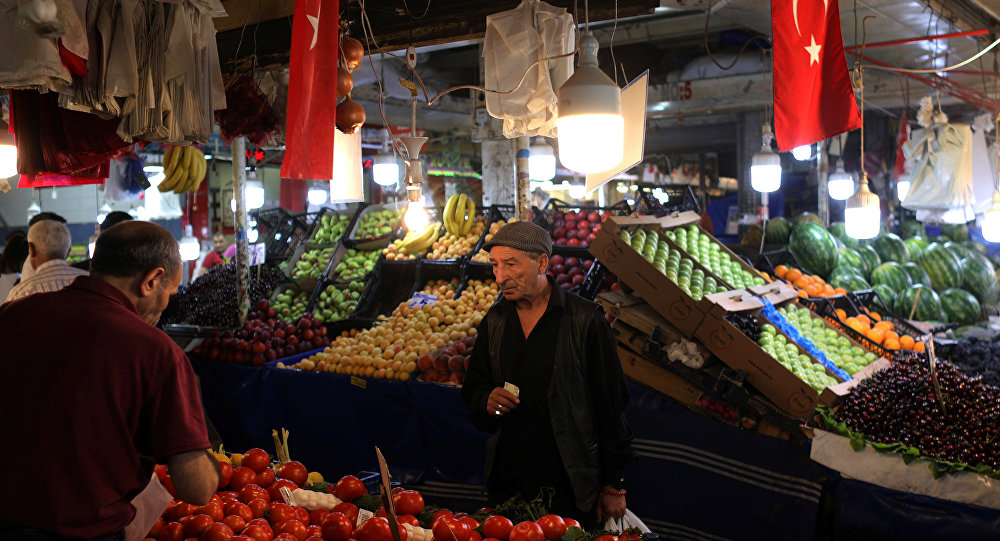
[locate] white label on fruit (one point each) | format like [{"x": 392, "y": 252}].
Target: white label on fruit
[
  {"x": 420, "y": 300},
  {"x": 363, "y": 515},
  {"x": 287, "y": 496}
]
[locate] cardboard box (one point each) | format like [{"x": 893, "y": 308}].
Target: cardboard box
[
  {"x": 684, "y": 219},
  {"x": 639, "y": 315},
  {"x": 662, "y": 294},
  {"x": 649, "y": 373},
  {"x": 765, "y": 373}
]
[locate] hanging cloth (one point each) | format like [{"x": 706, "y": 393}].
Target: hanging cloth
[
  {"x": 514, "y": 40},
  {"x": 28, "y": 61}
]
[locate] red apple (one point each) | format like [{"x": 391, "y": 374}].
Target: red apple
[
  {"x": 572, "y": 215},
  {"x": 557, "y": 269},
  {"x": 577, "y": 279},
  {"x": 425, "y": 362},
  {"x": 559, "y": 232},
  {"x": 572, "y": 262},
  {"x": 441, "y": 363},
  {"x": 593, "y": 216},
  {"x": 575, "y": 271},
  {"x": 456, "y": 363},
  {"x": 571, "y": 234},
  {"x": 583, "y": 224},
  {"x": 573, "y": 242},
  {"x": 557, "y": 259},
  {"x": 562, "y": 279},
  {"x": 587, "y": 263}
]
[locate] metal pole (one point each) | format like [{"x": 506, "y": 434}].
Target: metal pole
[
  {"x": 242, "y": 260},
  {"x": 822, "y": 176},
  {"x": 523, "y": 182}
]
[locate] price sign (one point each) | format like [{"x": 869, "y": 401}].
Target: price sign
[
  {"x": 257, "y": 253},
  {"x": 420, "y": 300}
]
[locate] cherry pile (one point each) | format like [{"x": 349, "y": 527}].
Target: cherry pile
[
  {"x": 974, "y": 358},
  {"x": 211, "y": 299},
  {"x": 746, "y": 323},
  {"x": 263, "y": 338},
  {"x": 899, "y": 404}
]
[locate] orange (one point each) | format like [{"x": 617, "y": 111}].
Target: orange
[
  {"x": 892, "y": 335},
  {"x": 864, "y": 319},
  {"x": 875, "y": 335},
  {"x": 918, "y": 346},
  {"x": 780, "y": 271},
  {"x": 802, "y": 294},
  {"x": 841, "y": 314},
  {"x": 814, "y": 290},
  {"x": 801, "y": 283},
  {"x": 906, "y": 341},
  {"x": 891, "y": 343},
  {"x": 857, "y": 326},
  {"x": 793, "y": 275},
  {"x": 875, "y": 316},
  {"x": 883, "y": 326},
  {"x": 828, "y": 289},
  {"x": 840, "y": 291}
]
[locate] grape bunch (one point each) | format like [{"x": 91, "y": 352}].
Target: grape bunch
[
  {"x": 746, "y": 323},
  {"x": 211, "y": 299},
  {"x": 900, "y": 404},
  {"x": 974, "y": 358}
]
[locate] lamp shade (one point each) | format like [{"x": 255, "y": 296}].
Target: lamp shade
[
  {"x": 8, "y": 161},
  {"x": 542, "y": 162},
  {"x": 840, "y": 185},
  {"x": 317, "y": 195},
  {"x": 254, "y": 190},
  {"x": 902, "y": 188},
  {"x": 189, "y": 246},
  {"x": 802, "y": 153},
  {"x": 385, "y": 169},
  {"x": 862, "y": 214},
  {"x": 990, "y": 223},
  {"x": 590, "y": 124},
  {"x": 765, "y": 170}
]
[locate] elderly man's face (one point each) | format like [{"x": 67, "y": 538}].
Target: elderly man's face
[
  {"x": 517, "y": 272},
  {"x": 219, "y": 242}
]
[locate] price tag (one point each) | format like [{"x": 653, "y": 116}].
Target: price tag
[
  {"x": 420, "y": 300},
  {"x": 359, "y": 382},
  {"x": 363, "y": 515},
  {"x": 256, "y": 253}
]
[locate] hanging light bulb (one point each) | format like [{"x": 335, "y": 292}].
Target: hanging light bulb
[
  {"x": 189, "y": 246},
  {"x": 416, "y": 217},
  {"x": 590, "y": 125},
  {"x": 254, "y": 190},
  {"x": 803, "y": 153},
  {"x": 92, "y": 242},
  {"x": 317, "y": 195},
  {"x": 765, "y": 167},
  {"x": 991, "y": 220},
  {"x": 33, "y": 209},
  {"x": 862, "y": 214},
  {"x": 840, "y": 185},
  {"x": 103, "y": 212},
  {"x": 385, "y": 169},
  {"x": 542, "y": 162},
  {"x": 8, "y": 161},
  {"x": 577, "y": 191},
  {"x": 903, "y": 186}
]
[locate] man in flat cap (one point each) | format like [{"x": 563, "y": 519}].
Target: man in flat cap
[{"x": 545, "y": 382}]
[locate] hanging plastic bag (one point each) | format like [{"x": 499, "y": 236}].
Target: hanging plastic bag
[
  {"x": 942, "y": 168},
  {"x": 628, "y": 520}
]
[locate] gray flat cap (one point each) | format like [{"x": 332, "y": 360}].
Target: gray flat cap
[{"x": 524, "y": 236}]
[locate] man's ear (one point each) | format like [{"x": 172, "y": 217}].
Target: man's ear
[
  {"x": 151, "y": 281},
  {"x": 543, "y": 264},
  {"x": 31, "y": 249}
]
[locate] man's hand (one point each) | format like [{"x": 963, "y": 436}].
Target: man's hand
[
  {"x": 500, "y": 402},
  {"x": 609, "y": 506}
]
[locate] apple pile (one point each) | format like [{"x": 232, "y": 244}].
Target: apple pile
[
  {"x": 569, "y": 271},
  {"x": 264, "y": 338},
  {"x": 577, "y": 229},
  {"x": 448, "y": 365}
]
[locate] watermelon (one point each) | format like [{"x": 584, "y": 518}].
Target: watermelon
[
  {"x": 848, "y": 278},
  {"x": 978, "y": 277},
  {"x": 975, "y": 246},
  {"x": 955, "y": 232},
  {"x": 928, "y": 306},
  {"x": 753, "y": 235},
  {"x": 814, "y": 248},
  {"x": 960, "y": 306},
  {"x": 777, "y": 231},
  {"x": 891, "y": 274},
  {"x": 910, "y": 229},
  {"x": 885, "y": 293},
  {"x": 961, "y": 251},
  {"x": 916, "y": 245},
  {"x": 942, "y": 266},
  {"x": 849, "y": 257},
  {"x": 838, "y": 230},
  {"x": 891, "y": 248},
  {"x": 870, "y": 257},
  {"x": 940, "y": 239},
  {"x": 807, "y": 218},
  {"x": 917, "y": 274}
]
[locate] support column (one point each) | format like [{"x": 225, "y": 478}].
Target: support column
[
  {"x": 522, "y": 189},
  {"x": 748, "y": 144},
  {"x": 822, "y": 177},
  {"x": 498, "y": 172},
  {"x": 242, "y": 256}
]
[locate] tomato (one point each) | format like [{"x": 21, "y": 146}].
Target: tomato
[
  {"x": 301, "y": 515},
  {"x": 275, "y": 489},
  {"x": 291, "y": 526},
  {"x": 265, "y": 478},
  {"x": 181, "y": 510},
  {"x": 408, "y": 502},
  {"x": 256, "y": 459},
  {"x": 553, "y": 527},
  {"x": 239, "y": 509},
  {"x": 262, "y": 522},
  {"x": 286, "y": 537},
  {"x": 211, "y": 509},
  {"x": 314, "y": 531},
  {"x": 337, "y": 526},
  {"x": 227, "y": 496},
  {"x": 349, "y": 510},
  {"x": 242, "y": 477},
  {"x": 475, "y": 536},
  {"x": 349, "y": 487},
  {"x": 217, "y": 532},
  {"x": 257, "y": 533},
  {"x": 527, "y": 531},
  {"x": 197, "y": 525},
  {"x": 225, "y": 474},
  {"x": 294, "y": 471},
  {"x": 253, "y": 492},
  {"x": 236, "y": 522},
  {"x": 473, "y": 523},
  {"x": 161, "y": 471},
  {"x": 450, "y": 529},
  {"x": 606, "y": 538},
  {"x": 258, "y": 506},
  {"x": 497, "y": 527},
  {"x": 407, "y": 519},
  {"x": 572, "y": 522},
  {"x": 314, "y": 538},
  {"x": 440, "y": 513},
  {"x": 280, "y": 512},
  {"x": 378, "y": 529},
  {"x": 491, "y": 539},
  {"x": 157, "y": 528},
  {"x": 241, "y": 538},
  {"x": 317, "y": 516},
  {"x": 173, "y": 531}
]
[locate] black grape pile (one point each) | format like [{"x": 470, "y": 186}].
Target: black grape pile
[
  {"x": 211, "y": 299},
  {"x": 899, "y": 404},
  {"x": 974, "y": 358},
  {"x": 746, "y": 323}
]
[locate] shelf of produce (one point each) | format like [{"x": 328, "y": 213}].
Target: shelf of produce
[
  {"x": 565, "y": 222},
  {"x": 328, "y": 226},
  {"x": 829, "y": 308},
  {"x": 292, "y": 299},
  {"x": 211, "y": 299},
  {"x": 437, "y": 271},
  {"x": 497, "y": 217},
  {"x": 351, "y": 263},
  {"x": 336, "y": 301},
  {"x": 452, "y": 245},
  {"x": 686, "y": 224},
  {"x": 374, "y": 224},
  {"x": 597, "y": 280},
  {"x": 310, "y": 262},
  {"x": 391, "y": 285}
]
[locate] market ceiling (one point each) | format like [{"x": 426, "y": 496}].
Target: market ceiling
[{"x": 668, "y": 37}]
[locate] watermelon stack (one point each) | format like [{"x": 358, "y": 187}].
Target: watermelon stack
[
  {"x": 928, "y": 305},
  {"x": 777, "y": 231},
  {"x": 955, "y": 232},
  {"x": 885, "y": 292},
  {"x": 870, "y": 257},
  {"x": 911, "y": 229},
  {"x": 814, "y": 248},
  {"x": 839, "y": 231},
  {"x": 942, "y": 266},
  {"x": 849, "y": 257},
  {"x": 891, "y": 248},
  {"x": 960, "y": 306},
  {"x": 916, "y": 246},
  {"x": 958, "y": 249},
  {"x": 891, "y": 274},
  {"x": 917, "y": 274},
  {"x": 848, "y": 278},
  {"x": 979, "y": 278}
]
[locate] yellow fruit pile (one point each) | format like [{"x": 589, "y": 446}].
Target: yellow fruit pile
[
  {"x": 483, "y": 256},
  {"x": 452, "y": 246},
  {"x": 390, "y": 348}
]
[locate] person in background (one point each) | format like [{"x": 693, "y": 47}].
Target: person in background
[
  {"x": 48, "y": 246},
  {"x": 15, "y": 251},
  {"x": 215, "y": 257},
  {"x": 113, "y": 218},
  {"x": 27, "y": 271},
  {"x": 547, "y": 385},
  {"x": 93, "y": 420}
]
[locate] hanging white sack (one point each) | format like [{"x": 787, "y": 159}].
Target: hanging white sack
[
  {"x": 982, "y": 172},
  {"x": 941, "y": 168},
  {"x": 515, "y": 40}
]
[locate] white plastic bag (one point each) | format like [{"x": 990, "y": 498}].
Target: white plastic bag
[
  {"x": 941, "y": 166},
  {"x": 629, "y": 520}
]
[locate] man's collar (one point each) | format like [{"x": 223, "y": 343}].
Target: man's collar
[{"x": 50, "y": 263}]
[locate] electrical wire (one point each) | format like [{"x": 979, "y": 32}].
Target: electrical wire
[
  {"x": 708, "y": 50},
  {"x": 611, "y": 45},
  {"x": 502, "y": 92},
  {"x": 949, "y": 68},
  {"x": 412, "y": 16}
]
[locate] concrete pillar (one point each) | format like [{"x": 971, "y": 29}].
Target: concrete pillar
[{"x": 498, "y": 172}]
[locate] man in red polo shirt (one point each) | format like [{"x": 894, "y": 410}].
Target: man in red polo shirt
[{"x": 94, "y": 396}]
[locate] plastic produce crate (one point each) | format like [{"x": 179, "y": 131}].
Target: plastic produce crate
[
  {"x": 388, "y": 287},
  {"x": 827, "y": 309},
  {"x": 429, "y": 270},
  {"x": 281, "y": 232},
  {"x": 549, "y": 217},
  {"x": 314, "y": 219},
  {"x": 680, "y": 199},
  {"x": 495, "y": 214}
]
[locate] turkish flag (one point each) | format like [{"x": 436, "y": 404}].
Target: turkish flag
[
  {"x": 813, "y": 94},
  {"x": 312, "y": 91}
]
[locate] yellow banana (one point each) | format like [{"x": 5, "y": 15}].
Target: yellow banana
[
  {"x": 180, "y": 178},
  {"x": 449, "y": 209},
  {"x": 175, "y": 158},
  {"x": 167, "y": 154},
  {"x": 203, "y": 168},
  {"x": 198, "y": 174},
  {"x": 458, "y": 218},
  {"x": 427, "y": 238},
  {"x": 191, "y": 164},
  {"x": 470, "y": 210}
]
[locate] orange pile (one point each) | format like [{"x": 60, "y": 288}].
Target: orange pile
[
  {"x": 881, "y": 332},
  {"x": 808, "y": 285}
]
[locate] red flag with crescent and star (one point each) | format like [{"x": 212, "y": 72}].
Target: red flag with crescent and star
[
  {"x": 813, "y": 94},
  {"x": 312, "y": 91}
]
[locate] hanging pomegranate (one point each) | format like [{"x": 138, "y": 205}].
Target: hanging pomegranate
[
  {"x": 350, "y": 116},
  {"x": 351, "y": 52},
  {"x": 345, "y": 82}
]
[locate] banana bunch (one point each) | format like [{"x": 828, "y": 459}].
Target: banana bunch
[
  {"x": 459, "y": 215},
  {"x": 414, "y": 242},
  {"x": 184, "y": 169}
]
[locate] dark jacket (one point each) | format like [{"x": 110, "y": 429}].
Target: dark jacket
[{"x": 571, "y": 403}]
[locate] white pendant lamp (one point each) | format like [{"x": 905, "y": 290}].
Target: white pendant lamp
[
  {"x": 189, "y": 246},
  {"x": 840, "y": 185},
  {"x": 802, "y": 152},
  {"x": 542, "y": 162},
  {"x": 765, "y": 166},
  {"x": 862, "y": 214},
  {"x": 590, "y": 124},
  {"x": 385, "y": 169},
  {"x": 903, "y": 186},
  {"x": 8, "y": 161},
  {"x": 991, "y": 220},
  {"x": 317, "y": 195},
  {"x": 254, "y": 190}
]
